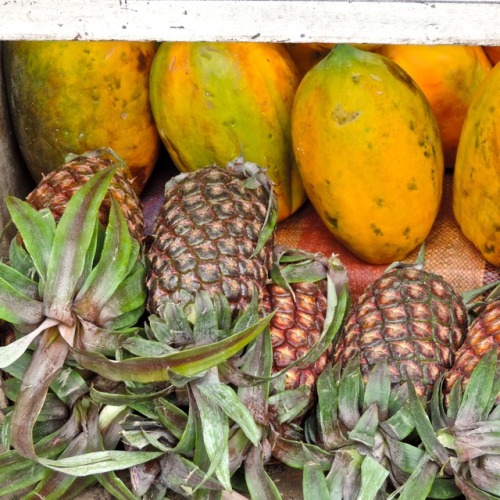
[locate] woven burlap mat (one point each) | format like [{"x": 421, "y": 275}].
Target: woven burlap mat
[{"x": 447, "y": 251}]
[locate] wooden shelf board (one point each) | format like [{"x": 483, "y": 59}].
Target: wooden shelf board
[{"x": 366, "y": 21}]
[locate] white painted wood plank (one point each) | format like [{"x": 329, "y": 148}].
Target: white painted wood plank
[{"x": 403, "y": 21}]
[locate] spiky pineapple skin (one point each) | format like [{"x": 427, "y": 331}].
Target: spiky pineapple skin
[
  {"x": 56, "y": 189},
  {"x": 409, "y": 318},
  {"x": 205, "y": 237},
  {"x": 295, "y": 327},
  {"x": 483, "y": 335}
]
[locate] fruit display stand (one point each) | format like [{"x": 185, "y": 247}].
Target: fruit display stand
[{"x": 473, "y": 22}]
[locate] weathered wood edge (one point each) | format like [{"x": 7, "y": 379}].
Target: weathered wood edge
[{"x": 455, "y": 22}]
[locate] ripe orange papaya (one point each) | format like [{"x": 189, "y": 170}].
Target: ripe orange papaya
[
  {"x": 213, "y": 102},
  {"x": 369, "y": 153},
  {"x": 476, "y": 178},
  {"x": 448, "y": 76},
  {"x": 75, "y": 96}
]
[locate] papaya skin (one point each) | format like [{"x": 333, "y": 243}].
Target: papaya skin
[
  {"x": 213, "y": 102},
  {"x": 448, "y": 75},
  {"x": 76, "y": 96},
  {"x": 476, "y": 178},
  {"x": 369, "y": 153}
]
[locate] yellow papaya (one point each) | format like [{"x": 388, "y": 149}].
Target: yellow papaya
[
  {"x": 448, "y": 75},
  {"x": 213, "y": 102},
  {"x": 476, "y": 178},
  {"x": 369, "y": 153},
  {"x": 76, "y": 96}
]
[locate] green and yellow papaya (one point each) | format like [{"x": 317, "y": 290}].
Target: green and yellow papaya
[
  {"x": 213, "y": 102},
  {"x": 76, "y": 96},
  {"x": 369, "y": 153}
]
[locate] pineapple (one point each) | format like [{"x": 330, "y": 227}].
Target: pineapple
[
  {"x": 295, "y": 328},
  {"x": 213, "y": 233},
  {"x": 410, "y": 318},
  {"x": 483, "y": 335},
  {"x": 460, "y": 435},
  {"x": 56, "y": 188},
  {"x": 210, "y": 259},
  {"x": 64, "y": 285},
  {"x": 298, "y": 294}
]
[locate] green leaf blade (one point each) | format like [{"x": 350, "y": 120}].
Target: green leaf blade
[
  {"x": 73, "y": 236},
  {"x": 37, "y": 230}
]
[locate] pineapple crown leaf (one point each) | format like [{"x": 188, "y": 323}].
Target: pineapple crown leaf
[
  {"x": 256, "y": 177},
  {"x": 314, "y": 483},
  {"x": 474, "y": 307},
  {"x": 419, "y": 262},
  {"x": 438, "y": 415},
  {"x": 19, "y": 281},
  {"x": 297, "y": 454},
  {"x": 259, "y": 483},
  {"x": 72, "y": 238},
  {"x": 327, "y": 417},
  {"x": 18, "y": 302},
  {"x": 183, "y": 476},
  {"x": 214, "y": 437},
  {"x": 127, "y": 303},
  {"x": 96, "y": 153},
  {"x": 350, "y": 394},
  {"x": 290, "y": 404},
  {"x": 21, "y": 260},
  {"x": 425, "y": 430},
  {"x": 479, "y": 395},
  {"x": 351, "y": 409},
  {"x": 366, "y": 427},
  {"x": 248, "y": 316},
  {"x": 37, "y": 229},
  {"x": 125, "y": 399},
  {"x": 10, "y": 353},
  {"x": 454, "y": 400},
  {"x": 206, "y": 319},
  {"x": 399, "y": 425},
  {"x": 257, "y": 363},
  {"x": 116, "y": 257},
  {"x": 419, "y": 485},
  {"x": 378, "y": 389},
  {"x": 268, "y": 226},
  {"x": 186, "y": 363},
  {"x": 171, "y": 326},
  {"x": 225, "y": 397},
  {"x": 373, "y": 477},
  {"x": 297, "y": 266},
  {"x": 99, "y": 462},
  {"x": 47, "y": 360}
]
